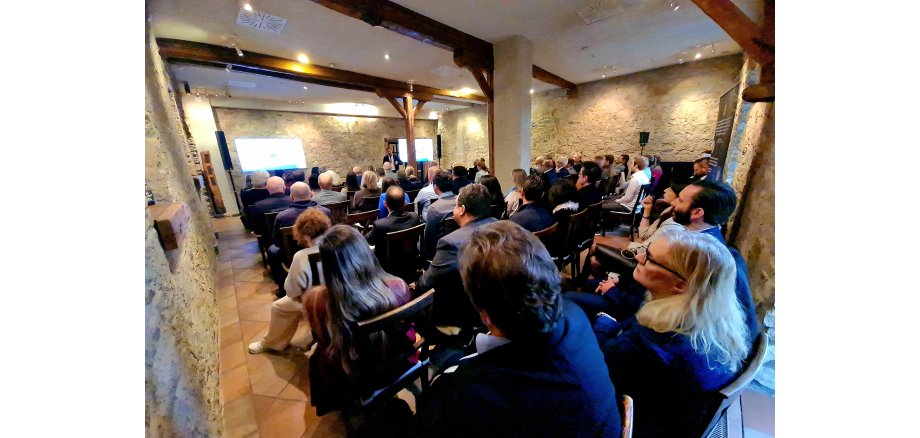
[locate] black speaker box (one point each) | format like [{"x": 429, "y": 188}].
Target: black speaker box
[
  {"x": 224, "y": 152},
  {"x": 439, "y": 148}
]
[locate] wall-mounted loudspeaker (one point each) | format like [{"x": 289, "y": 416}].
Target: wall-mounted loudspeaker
[
  {"x": 643, "y": 138},
  {"x": 439, "y": 147},
  {"x": 224, "y": 152}
]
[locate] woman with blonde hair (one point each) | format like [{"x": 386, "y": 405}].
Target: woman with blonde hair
[
  {"x": 369, "y": 188},
  {"x": 513, "y": 199},
  {"x": 345, "y": 366},
  {"x": 481, "y": 169},
  {"x": 686, "y": 342}
]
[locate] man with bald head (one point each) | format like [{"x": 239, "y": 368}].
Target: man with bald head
[
  {"x": 301, "y": 199},
  {"x": 326, "y": 195},
  {"x": 276, "y": 200},
  {"x": 397, "y": 220}
]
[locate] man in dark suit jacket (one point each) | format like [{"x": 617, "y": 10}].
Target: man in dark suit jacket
[
  {"x": 397, "y": 220},
  {"x": 461, "y": 178},
  {"x": 257, "y": 193},
  {"x": 451, "y": 305},
  {"x": 539, "y": 371},
  {"x": 588, "y": 177},
  {"x": 390, "y": 157},
  {"x": 532, "y": 216},
  {"x": 277, "y": 201}
]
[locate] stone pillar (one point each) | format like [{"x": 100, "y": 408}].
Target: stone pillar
[{"x": 513, "y": 72}]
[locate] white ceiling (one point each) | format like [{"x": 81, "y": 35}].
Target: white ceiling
[{"x": 642, "y": 35}]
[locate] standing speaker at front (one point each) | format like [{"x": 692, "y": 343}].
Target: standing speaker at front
[{"x": 224, "y": 152}]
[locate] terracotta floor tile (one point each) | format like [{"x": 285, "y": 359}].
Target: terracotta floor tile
[
  {"x": 228, "y": 316},
  {"x": 271, "y": 377},
  {"x": 284, "y": 419},
  {"x": 299, "y": 386},
  {"x": 247, "y": 263},
  {"x": 240, "y": 417},
  {"x": 254, "y": 361},
  {"x": 230, "y": 334},
  {"x": 234, "y": 384},
  {"x": 252, "y": 330},
  {"x": 224, "y": 265},
  {"x": 254, "y": 310},
  {"x": 226, "y": 304},
  {"x": 329, "y": 425},
  {"x": 222, "y": 273},
  {"x": 261, "y": 403},
  {"x": 251, "y": 274},
  {"x": 232, "y": 356},
  {"x": 226, "y": 291},
  {"x": 252, "y": 290},
  {"x": 224, "y": 282}
]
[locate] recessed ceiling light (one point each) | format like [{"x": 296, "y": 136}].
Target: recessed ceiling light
[
  {"x": 303, "y": 58},
  {"x": 698, "y": 55},
  {"x": 603, "y": 76},
  {"x": 304, "y": 87},
  {"x": 466, "y": 90},
  {"x": 247, "y": 7},
  {"x": 331, "y": 65},
  {"x": 531, "y": 91},
  {"x": 386, "y": 56}
]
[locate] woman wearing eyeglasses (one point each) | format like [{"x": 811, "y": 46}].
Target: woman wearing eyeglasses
[{"x": 686, "y": 342}]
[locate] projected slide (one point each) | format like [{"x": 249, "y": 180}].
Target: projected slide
[
  {"x": 270, "y": 153},
  {"x": 424, "y": 149}
]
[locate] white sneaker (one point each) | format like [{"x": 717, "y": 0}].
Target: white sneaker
[{"x": 257, "y": 347}]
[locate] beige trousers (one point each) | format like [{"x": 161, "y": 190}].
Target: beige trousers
[{"x": 286, "y": 315}]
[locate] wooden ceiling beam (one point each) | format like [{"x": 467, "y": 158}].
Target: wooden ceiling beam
[
  {"x": 482, "y": 81},
  {"x": 208, "y": 54},
  {"x": 739, "y": 27},
  {"x": 469, "y": 51},
  {"x": 418, "y": 108},
  {"x": 399, "y": 108}
]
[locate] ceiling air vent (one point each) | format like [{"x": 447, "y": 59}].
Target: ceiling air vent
[
  {"x": 261, "y": 21},
  {"x": 447, "y": 71},
  {"x": 604, "y": 9}
]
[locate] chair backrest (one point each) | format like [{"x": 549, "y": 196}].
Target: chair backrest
[
  {"x": 350, "y": 195},
  {"x": 365, "y": 219},
  {"x": 402, "y": 252},
  {"x": 409, "y": 208},
  {"x": 574, "y": 230},
  {"x": 643, "y": 190},
  {"x": 593, "y": 220},
  {"x": 290, "y": 245},
  {"x": 546, "y": 235},
  {"x": 270, "y": 222},
  {"x": 450, "y": 225},
  {"x": 732, "y": 391},
  {"x": 369, "y": 203},
  {"x": 339, "y": 211},
  {"x": 627, "y": 416},
  {"x": 316, "y": 269},
  {"x": 394, "y": 317},
  {"x": 412, "y": 194},
  {"x": 498, "y": 211}
]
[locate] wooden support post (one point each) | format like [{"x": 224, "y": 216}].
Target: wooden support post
[
  {"x": 396, "y": 105},
  {"x": 418, "y": 108},
  {"x": 408, "y": 106}
]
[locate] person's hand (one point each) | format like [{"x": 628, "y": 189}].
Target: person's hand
[
  {"x": 647, "y": 203},
  {"x": 606, "y": 285}
]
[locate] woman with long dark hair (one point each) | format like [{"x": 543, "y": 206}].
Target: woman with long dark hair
[{"x": 345, "y": 366}]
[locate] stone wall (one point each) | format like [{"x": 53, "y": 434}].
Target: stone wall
[
  {"x": 336, "y": 142},
  {"x": 181, "y": 347},
  {"x": 464, "y": 135},
  {"x": 677, "y": 104}
]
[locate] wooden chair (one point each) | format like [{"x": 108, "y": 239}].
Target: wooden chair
[
  {"x": 546, "y": 235},
  {"x": 632, "y": 216},
  {"x": 290, "y": 246},
  {"x": 412, "y": 194},
  {"x": 409, "y": 208},
  {"x": 339, "y": 211},
  {"x": 364, "y": 220},
  {"x": 402, "y": 253},
  {"x": 627, "y": 416},
  {"x": 498, "y": 211},
  {"x": 350, "y": 195},
  {"x": 450, "y": 225},
  {"x": 567, "y": 241},
  {"x": 369, "y": 203},
  {"x": 415, "y": 312},
  {"x": 264, "y": 240},
  {"x": 718, "y": 426}
]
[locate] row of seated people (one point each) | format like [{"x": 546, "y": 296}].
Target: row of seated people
[{"x": 539, "y": 368}]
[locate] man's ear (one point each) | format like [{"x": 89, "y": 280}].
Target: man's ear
[
  {"x": 697, "y": 213},
  {"x": 485, "y": 318}
]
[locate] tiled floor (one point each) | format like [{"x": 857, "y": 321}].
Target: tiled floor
[{"x": 267, "y": 395}]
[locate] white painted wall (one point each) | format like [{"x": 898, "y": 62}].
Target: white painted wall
[{"x": 200, "y": 120}]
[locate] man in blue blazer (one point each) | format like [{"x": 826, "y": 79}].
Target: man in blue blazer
[{"x": 451, "y": 305}]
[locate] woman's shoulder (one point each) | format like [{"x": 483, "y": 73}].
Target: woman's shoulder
[{"x": 399, "y": 288}]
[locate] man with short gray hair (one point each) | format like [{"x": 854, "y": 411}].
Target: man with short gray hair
[
  {"x": 326, "y": 195},
  {"x": 276, "y": 201},
  {"x": 248, "y": 197},
  {"x": 561, "y": 166}
]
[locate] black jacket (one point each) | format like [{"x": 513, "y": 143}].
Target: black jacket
[
  {"x": 532, "y": 217},
  {"x": 278, "y": 201},
  {"x": 396, "y": 221},
  {"x": 287, "y": 218},
  {"x": 588, "y": 195}
]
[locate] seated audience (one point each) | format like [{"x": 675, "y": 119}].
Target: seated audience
[
  {"x": 276, "y": 201},
  {"x": 451, "y": 305},
  {"x": 495, "y": 190},
  {"x": 700, "y": 169},
  {"x": 650, "y": 230},
  {"x": 396, "y": 220},
  {"x": 538, "y": 371},
  {"x": 513, "y": 198},
  {"x": 562, "y": 164},
  {"x": 439, "y": 210},
  {"x": 402, "y": 178},
  {"x": 531, "y": 215},
  {"x": 326, "y": 195},
  {"x": 563, "y": 199},
  {"x": 460, "y": 175},
  {"x": 573, "y": 162},
  {"x": 287, "y": 311},
  {"x": 351, "y": 183},
  {"x": 626, "y": 202},
  {"x": 388, "y": 170},
  {"x": 656, "y": 171},
  {"x": 301, "y": 199},
  {"x": 387, "y": 183},
  {"x": 344, "y": 366},
  {"x": 481, "y": 169},
  {"x": 359, "y": 174},
  {"x": 426, "y": 194},
  {"x": 588, "y": 178},
  {"x": 288, "y": 178},
  {"x": 412, "y": 176},
  {"x": 537, "y": 166},
  {"x": 258, "y": 192},
  {"x": 381, "y": 174},
  {"x": 549, "y": 172},
  {"x": 314, "y": 179},
  {"x": 369, "y": 189},
  {"x": 647, "y": 169},
  {"x": 686, "y": 342}
]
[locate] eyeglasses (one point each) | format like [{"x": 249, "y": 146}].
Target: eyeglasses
[{"x": 633, "y": 254}]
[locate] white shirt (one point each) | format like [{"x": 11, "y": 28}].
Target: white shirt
[
  {"x": 300, "y": 276},
  {"x": 423, "y": 199},
  {"x": 629, "y": 198}
]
